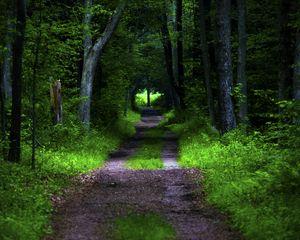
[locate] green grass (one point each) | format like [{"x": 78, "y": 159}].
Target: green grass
[
  {"x": 146, "y": 227},
  {"x": 148, "y": 156},
  {"x": 256, "y": 182},
  {"x": 25, "y": 206}
]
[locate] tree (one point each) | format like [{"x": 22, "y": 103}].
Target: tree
[
  {"x": 228, "y": 121},
  {"x": 205, "y": 59},
  {"x": 286, "y": 57},
  {"x": 91, "y": 58},
  {"x": 296, "y": 79},
  {"x": 167, "y": 44},
  {"x": 15, "y": 130},
  {"x": 241, "y": 67},
  {"x": 179, "y": 55}
]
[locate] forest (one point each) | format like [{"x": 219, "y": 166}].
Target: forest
[{"x": 150, "y": 119}]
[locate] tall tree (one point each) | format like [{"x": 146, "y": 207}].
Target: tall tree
[
  {"x": 228, "y": 121},
  {"x": 286, "y": 57},
  {"x": 7, "y": 61},
  {"x": 15, "y": 131},
  {"x": 91, "y": 58},
  {"x": 296, "y": 80},
  {"x": 167, "y": 44},
  {"x": 6, "y": 91},
  {"x": 205, "y": 58},
  {"x": 241, "y": 67},
  {"x": 179, "y": 55}
]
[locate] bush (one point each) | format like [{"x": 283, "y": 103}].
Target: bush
[{"x": 253, "y": 177}]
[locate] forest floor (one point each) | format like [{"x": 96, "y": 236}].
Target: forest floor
[{"x": 89, "y": 209}]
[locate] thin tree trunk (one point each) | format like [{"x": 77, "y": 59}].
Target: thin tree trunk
[
  {"x": 228, "y": 121},
  {"x": 286, "y": 58},
  {"x": 180, "y": 67},
  {"x": 3, "y": 115},
  {"x": 206, "y": 62},
  {"x": 14, "y": 154},
  {"x": 90, "y": 65},
  {"x": 241, "y": 67},
  {"x": 296, "y": 79},
  {"x": 148, "y": 97},
  {"x": 34, "y": 81}
]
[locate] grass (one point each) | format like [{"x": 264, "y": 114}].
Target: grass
[
  {"x": 148, "y": 156},
  {"x": 146, "y": 227},
  {"x": 25, "y": 205},
  {"x": 254, "y": 181}
]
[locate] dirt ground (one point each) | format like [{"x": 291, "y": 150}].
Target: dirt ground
[{"x": 88, "y": 210}]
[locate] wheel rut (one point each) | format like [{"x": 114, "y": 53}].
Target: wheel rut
[{"x": 89, "y": 209}]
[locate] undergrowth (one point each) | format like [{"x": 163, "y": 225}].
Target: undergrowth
[
  {"x": 148, "y": 156},
  {"x": 25, "y": 194},
  {"x": 255, "y": 177}
]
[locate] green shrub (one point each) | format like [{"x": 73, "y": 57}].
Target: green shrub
[{"x": 254, "y": 177}]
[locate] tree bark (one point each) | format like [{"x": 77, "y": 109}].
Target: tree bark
[
  {"x": 228, "y": 121},
  {"x": 179, "y": 56},
  {"x": 286, "y": 58},
  {"x": 15, "y": 131},
  {"x": 206, "y": 61},
  {"x": 296, "y": 79},
  {"x": 241, "y": 67},
  {"x": 167, "y": 44},
  {"x": 8, "y": 56},
  {"x": 92, "y": 56}
]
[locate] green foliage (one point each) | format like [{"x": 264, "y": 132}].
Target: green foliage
[
  {"x": 148, "y": 156},
  {"x": 141, "y": 98},
  {"x": 252, "y": 177},
  {"x": 140, "y": 226},
  {"x": 25, "y": 205}
]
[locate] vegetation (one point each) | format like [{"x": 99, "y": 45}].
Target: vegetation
[
  {"x": 228, "y": 70},
  {"x": 148, "y": 156},
  {"x": 254, "y": 177},
  {"x": 149, "y": 226},
  {"x": 25, "y": 202}
]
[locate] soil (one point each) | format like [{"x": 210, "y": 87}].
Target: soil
[{"x": 88, "y": 210}]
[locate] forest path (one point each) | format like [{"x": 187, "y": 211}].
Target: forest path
[{"x": 90, "y": 209}]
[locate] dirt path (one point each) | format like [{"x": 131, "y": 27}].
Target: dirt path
[{"x": 89, "y": 210}]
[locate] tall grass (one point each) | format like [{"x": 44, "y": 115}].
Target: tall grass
[
  {"x": 253, "y": 179},
  {"x": 25, "y": 195}
]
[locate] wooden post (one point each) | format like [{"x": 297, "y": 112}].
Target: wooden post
[{"x": 56, "y": 102}]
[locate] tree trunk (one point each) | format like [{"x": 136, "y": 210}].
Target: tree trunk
[
  {"x": 90, "y": 64},
  {"x": 179, "y": 56},
  {"x": 148, "y": 97},
  {"x": 241, "y": 67},
  {"x": 8, "y": 56},
  {"x": 15, "y": 131},
  {"x": 286, "y": 58},
  {"x": 296, "y": 82},
  {"x": 34, "y": 82},
  {"x": 167, "y": 44},
  {"x": 228, "y": 121},
  {"x": 206, "y": 62}
]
